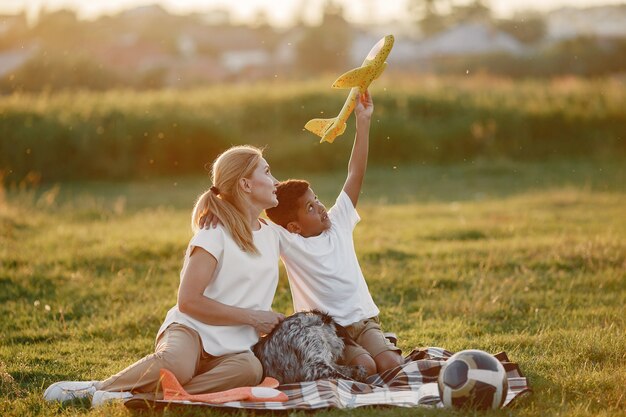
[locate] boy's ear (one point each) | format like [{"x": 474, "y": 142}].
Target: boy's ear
[{"x": 294, "y": 227}]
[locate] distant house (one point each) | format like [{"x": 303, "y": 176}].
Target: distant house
[
  {"x": 150, "y": 46},
  {"x": 129, "y": 53},
  {"x": 13, "y": 59},
  {"x": 242, "y": 60},
  {"x": 362, "y": 42},
  {"x": 286, "y": 50},
  {"x": 404, "y": 47},
  {"x": 237, "y": 49},
  {"x": 569, "y": 22},
  {"x": 147, "y": 12},
  {"x": 186, "y": 72},
  {"x": 186, "y": 45},
  {"x": 468, "y": 39}
]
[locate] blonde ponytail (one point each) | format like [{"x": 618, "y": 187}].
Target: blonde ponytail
[{"x": 225, "y": 199}]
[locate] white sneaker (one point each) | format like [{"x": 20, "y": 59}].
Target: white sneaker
[
  {"x": 69, "y": 390},
  {"x": 101, "y": 398}
]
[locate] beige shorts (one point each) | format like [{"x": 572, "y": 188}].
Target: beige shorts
[{"x": 370, "y": 339}]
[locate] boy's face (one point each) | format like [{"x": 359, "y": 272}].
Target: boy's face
[{"x": 312, "y": 218}]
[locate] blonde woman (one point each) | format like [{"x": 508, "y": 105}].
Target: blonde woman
[{"x": 228, "y": 281}]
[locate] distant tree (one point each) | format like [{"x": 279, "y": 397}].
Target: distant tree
[
  {"x": 60, "y": 29},
  {"x": 478, "y": 10},
  {"x": 428, "y": 14},
  {"x": 433, "y": 16},
  {"x": 326, "y": 47},
  {"x": 265, "y": 32},
  {"x": 585, "y": 56},
  {"x": 46, "y": 72},
  {"x": 16, "y": 34},
  {"x": 582, "y": 56},
  {"x": 528, "y": 29}
]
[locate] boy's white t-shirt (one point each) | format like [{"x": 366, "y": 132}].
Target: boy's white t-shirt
[
  {"x": 323, "y": 270},
  {"x": 241, "y": 279}
]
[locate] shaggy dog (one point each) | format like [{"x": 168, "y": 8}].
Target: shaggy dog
[{"x": 306, "y": 347}]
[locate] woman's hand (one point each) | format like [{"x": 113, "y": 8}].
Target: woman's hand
[{"x": 265, "y": 321}]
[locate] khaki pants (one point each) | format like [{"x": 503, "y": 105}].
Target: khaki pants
[
  {"x": 179, "y": 349},
  {"x": 370, "y": 339}
]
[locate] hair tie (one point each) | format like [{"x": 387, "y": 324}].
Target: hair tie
[{"x": 215, "y": 190}]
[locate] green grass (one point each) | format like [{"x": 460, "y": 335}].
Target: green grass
[
  {"x": 126, "y": 134},
  {"x": 526, "y": 258}
]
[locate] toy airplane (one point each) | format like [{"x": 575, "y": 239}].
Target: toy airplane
[{"x": 358, "y": 79}]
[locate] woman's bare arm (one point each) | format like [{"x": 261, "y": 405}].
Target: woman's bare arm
[{"x": 199, "y": 274}]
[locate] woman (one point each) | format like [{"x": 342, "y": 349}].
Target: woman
[{"x": 228, "y": 281}]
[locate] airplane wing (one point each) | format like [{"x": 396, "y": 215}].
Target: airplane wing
[
  {"x": 319, "y": 126},
  {"x": 380, "y": 70},
  {"x": 357, "y": 77}
]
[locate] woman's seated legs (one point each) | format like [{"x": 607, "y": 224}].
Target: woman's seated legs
[
  {"x": 179, "y": 349},
  {"x": 225, "y": 372}
]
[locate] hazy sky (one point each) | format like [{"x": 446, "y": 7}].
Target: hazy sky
[{"x": 280, "y": 12}]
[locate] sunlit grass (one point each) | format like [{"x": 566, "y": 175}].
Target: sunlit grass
[
  {"x": 526, "y": 258},
  {"x": 125, "y": 134}
]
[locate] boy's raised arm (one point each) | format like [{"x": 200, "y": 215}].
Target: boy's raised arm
[{"x": 358, "y": 159}]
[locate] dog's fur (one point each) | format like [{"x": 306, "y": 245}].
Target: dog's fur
[{"x": 305, "y": 347}]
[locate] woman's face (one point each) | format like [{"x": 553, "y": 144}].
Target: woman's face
[{"x": 263, "y": 186}]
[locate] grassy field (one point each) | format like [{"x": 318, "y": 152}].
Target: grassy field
[
  {"x": 526, "y": 258},
  {"x": 136, "y": 135}
]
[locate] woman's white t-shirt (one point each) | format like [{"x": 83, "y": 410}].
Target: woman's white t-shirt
[
  {"x": 241, "y": 279},
  {"x": 324, "y": 272}
]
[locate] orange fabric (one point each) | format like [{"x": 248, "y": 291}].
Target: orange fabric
[{"x": 172, "y": 390}]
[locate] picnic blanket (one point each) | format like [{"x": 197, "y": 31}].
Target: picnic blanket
[{"x": 410, "y": 385}]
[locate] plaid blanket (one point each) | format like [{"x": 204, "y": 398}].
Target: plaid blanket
[{"x": 412, "y": 384}]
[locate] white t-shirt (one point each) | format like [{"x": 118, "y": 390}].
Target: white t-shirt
[
  {"x": 323, "y": 270},
  {"x": 241, "y": 279}
]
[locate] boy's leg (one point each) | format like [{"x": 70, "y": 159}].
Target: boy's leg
[
  {"x": 178, "y": 349},
  {"x": 388, "y": 360},
  {"x": 225, "y": 372},
  {"x": 386, "y": 355},
  {"x": 355, "y": 355}
]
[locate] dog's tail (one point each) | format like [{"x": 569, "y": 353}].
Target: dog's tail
[{"x": 339, "y": 329}]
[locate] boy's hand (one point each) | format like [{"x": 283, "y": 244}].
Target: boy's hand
[
  {"x": 209, "y": 221},
  {"x": 364, "y": 106}
]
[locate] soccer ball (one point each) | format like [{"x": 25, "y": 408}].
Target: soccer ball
[{"x": 473, "y": 378}]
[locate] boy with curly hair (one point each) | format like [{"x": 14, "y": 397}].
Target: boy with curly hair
[{"x": 320, "y": 259}]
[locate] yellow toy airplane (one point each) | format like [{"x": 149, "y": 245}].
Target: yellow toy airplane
[{"x": 358, "y": 79}]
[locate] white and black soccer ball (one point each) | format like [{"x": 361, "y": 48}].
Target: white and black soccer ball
[{"x": 474, "y": 379}]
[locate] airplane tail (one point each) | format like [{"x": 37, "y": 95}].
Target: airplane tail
[{"x": 321, "y": 127}]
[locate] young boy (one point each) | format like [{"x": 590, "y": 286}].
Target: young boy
[{"x": 320, "y": 259}]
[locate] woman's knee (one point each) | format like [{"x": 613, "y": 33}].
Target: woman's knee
[
  {"x": 255, "y": 369},
  {"x": 183, "y": 368},
  {"x": 178, "y": 351},
  {"x": 250, "y": 369}
]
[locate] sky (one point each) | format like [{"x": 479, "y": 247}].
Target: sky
[{"x": 280, "y": 12}]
